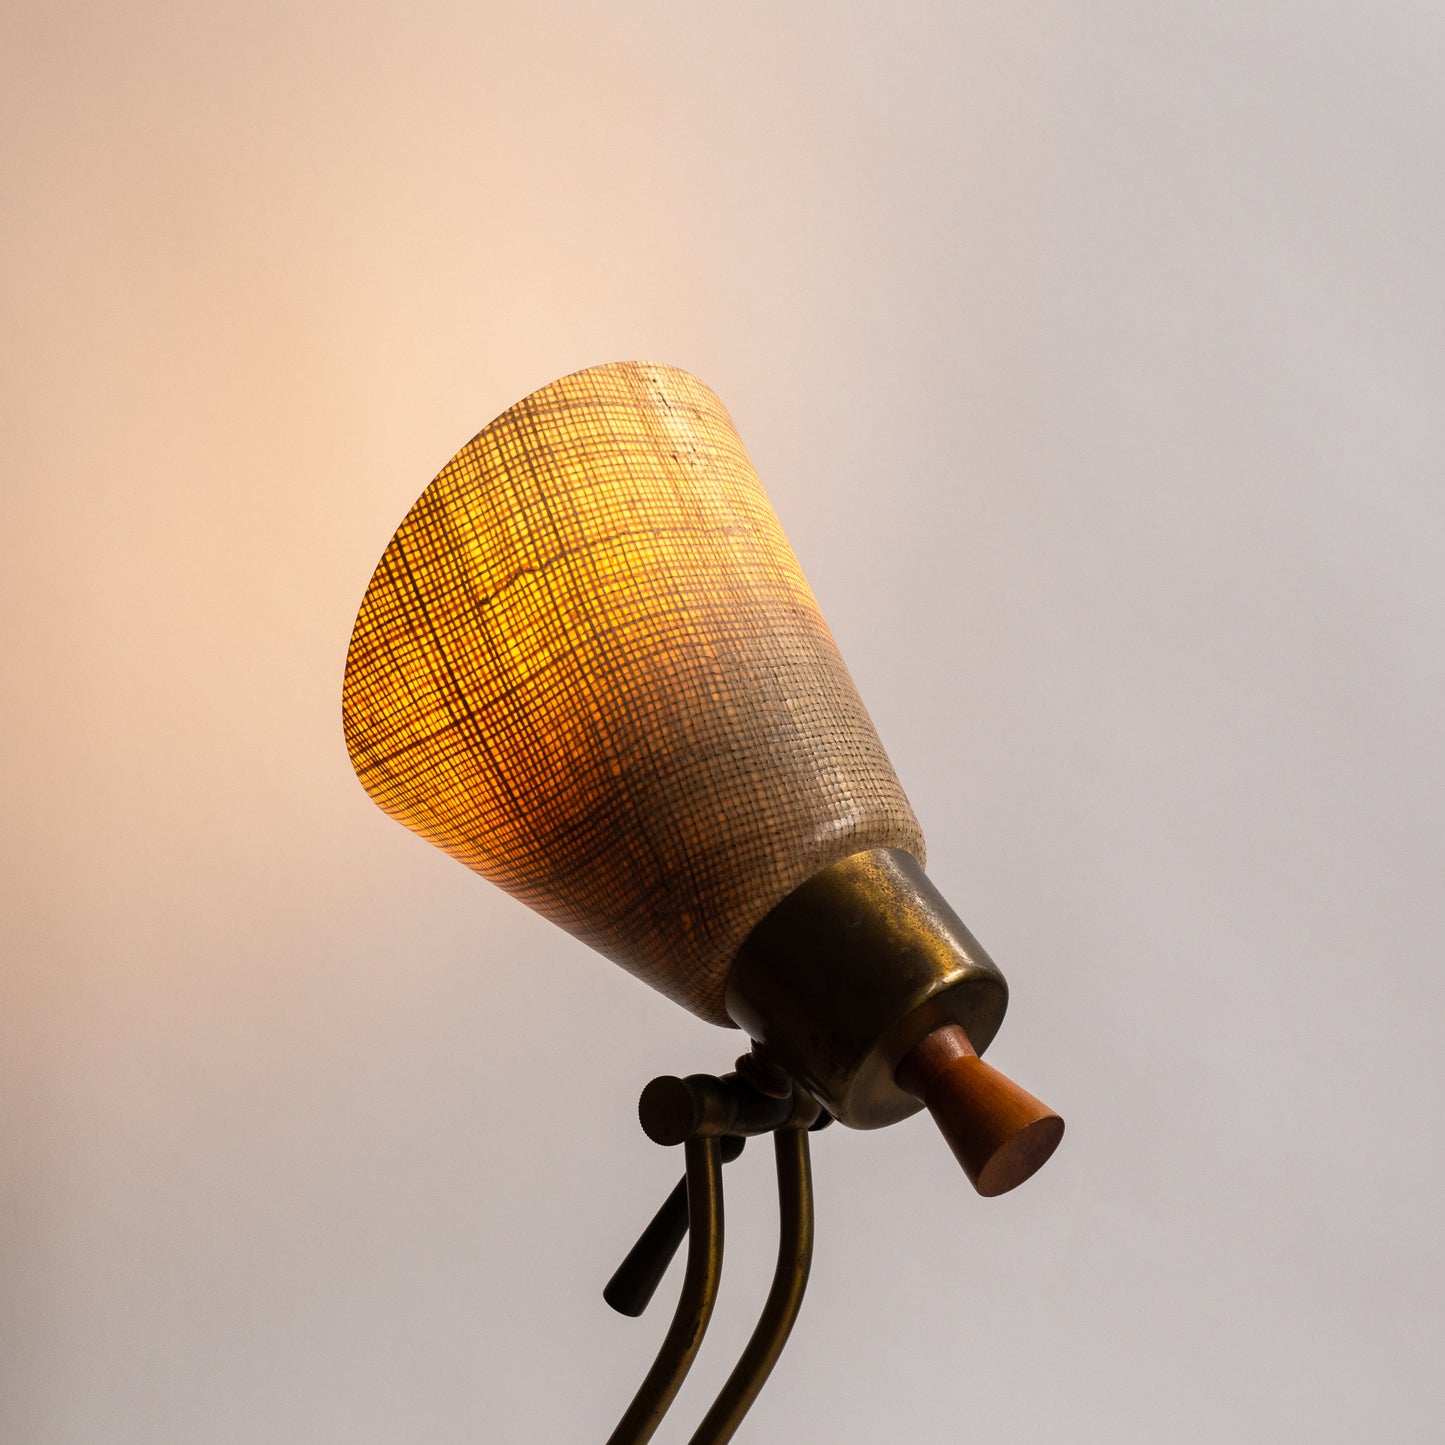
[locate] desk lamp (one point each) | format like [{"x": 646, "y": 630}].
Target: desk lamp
[{"x": 589, "y": 667}]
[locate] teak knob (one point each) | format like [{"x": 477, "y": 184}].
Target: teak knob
[{"x": 999, "y": 1132}]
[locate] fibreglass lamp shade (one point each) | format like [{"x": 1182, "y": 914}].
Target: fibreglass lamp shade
[{"x": 589, "y": 667}]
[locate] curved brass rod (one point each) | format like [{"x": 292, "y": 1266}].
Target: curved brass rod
[
  {"x": 785, "y": 1298},
  {"x": 631, "y": 1288},
  {"x": 694, "y": 1307}
]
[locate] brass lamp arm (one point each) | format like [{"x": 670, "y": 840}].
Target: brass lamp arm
[
  {"x": 632, "y": 1286},
  {"x": 694, "y": 1306},
  {"x": 718, "y": 1113},
  {"x": 785, "y": 1297}
]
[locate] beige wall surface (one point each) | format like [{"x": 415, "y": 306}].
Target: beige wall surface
[{"x": 1093, "y": 356}]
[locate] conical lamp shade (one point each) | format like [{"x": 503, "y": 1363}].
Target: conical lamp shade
[{"x": 589, "y": 667}]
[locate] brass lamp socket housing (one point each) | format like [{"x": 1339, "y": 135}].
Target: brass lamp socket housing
[{"x": 851, "y": 970}]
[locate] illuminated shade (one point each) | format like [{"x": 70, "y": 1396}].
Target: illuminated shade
[{"x": 589, "y": 667}]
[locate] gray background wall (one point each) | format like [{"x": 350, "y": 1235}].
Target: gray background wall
[{"x": 1094, "y": 359}]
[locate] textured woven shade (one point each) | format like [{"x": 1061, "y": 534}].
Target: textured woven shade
[{"x": 589, "y": 667}]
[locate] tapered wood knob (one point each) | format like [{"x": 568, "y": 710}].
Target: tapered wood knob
[{"x": 1000, "y": 1133}]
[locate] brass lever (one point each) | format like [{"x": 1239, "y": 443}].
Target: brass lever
[
  {"x": 636, "y": 1279},
  {"x": 694, "y": 1307}
]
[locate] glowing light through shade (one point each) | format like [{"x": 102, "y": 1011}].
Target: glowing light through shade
[{"x": 589, "y": 667}]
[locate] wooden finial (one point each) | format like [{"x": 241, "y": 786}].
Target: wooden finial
[{"x": 999, "y": 1133}]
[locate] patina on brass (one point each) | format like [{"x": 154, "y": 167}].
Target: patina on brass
[{"x": 850, "y": 971}]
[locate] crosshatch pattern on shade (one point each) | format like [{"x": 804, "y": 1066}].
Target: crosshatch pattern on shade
[{"x": 589, "y": 667}]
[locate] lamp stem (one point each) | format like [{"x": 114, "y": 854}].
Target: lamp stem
[
  {"x": 636, "y": 1279},
  {"x": 785, "y": 1298},
  {"x": 703, "y": 1156}
]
